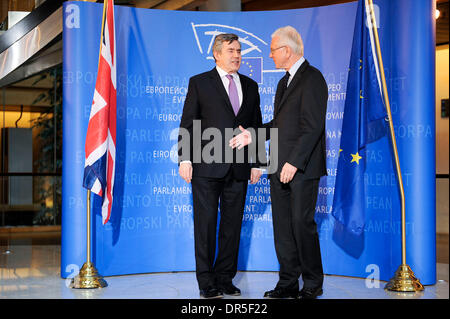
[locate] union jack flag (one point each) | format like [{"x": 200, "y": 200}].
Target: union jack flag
[{"x": 100, "y": 147}]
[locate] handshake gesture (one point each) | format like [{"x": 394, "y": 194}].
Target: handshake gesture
[
  {"x": 244, "y": 138},
  {"x": 239, "y": 141}
]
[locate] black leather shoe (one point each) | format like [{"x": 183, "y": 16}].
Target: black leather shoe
[
  {"x": 281, "y": 293},
  {"x": 310, "y": 293},
  {"x": 230, "y": 289},
  {"x": 211, "y": 293}
]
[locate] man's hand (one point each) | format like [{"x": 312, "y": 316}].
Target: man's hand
[
  {"x": 241, "y": 140},
  {"x": 287, "y": 173},
  {"x": 255, "y": 175},
  {"x": 185, "y": 171}
]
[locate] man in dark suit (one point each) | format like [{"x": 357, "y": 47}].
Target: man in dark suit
[
  {"x": 218, "y": 102},
  {"x": 299, "y": 115}
]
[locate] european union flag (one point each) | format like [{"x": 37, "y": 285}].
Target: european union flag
[
  {"x": 363, "y": 123},
  {"x": 252, "y": 67}
]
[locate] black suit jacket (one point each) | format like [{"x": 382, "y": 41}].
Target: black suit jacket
[
  {"x": 300, "y": 118},
  {"x": 208, "y": 101}
]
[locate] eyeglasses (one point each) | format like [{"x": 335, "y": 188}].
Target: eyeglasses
[{"x": 272, "y": 50}]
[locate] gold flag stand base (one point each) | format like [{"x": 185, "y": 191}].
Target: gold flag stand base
[
  {"x": 404, "y": 281},
  {"x": 88, "y": 278}
]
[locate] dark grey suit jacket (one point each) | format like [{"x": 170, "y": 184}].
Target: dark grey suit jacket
[
  {"x": 300, "y": 117},
  {"x": 208, "y": 101}
]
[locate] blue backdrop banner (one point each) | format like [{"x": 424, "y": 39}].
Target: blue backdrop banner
[{"x": 151, "y": 225}]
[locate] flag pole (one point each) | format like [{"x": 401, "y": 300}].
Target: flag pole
[
  {"x": 404, "y": 279},
  {"x": 88, "y": 277}
]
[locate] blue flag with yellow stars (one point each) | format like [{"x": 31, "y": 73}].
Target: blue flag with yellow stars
[{"x": 364, "y": 122}]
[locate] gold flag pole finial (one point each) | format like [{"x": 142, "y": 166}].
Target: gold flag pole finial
[
  {"x": 88, "y": 276},
  {"x": 404, "y": 279}
]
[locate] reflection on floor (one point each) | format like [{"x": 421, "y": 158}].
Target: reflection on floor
[{"x": 33, "y": 271}]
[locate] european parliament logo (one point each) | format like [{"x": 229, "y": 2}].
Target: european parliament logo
[{"x": 250, "y": 44}]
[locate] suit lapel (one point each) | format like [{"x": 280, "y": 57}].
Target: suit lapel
[
  {"x": 292, "y": 86},
  {"x": 277, "y": 98},
  {"x": 217, "y": 81}
]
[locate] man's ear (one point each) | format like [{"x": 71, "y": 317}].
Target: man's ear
[
  {"x": 215, "y": 53},
  {"x": 289, "y": 51}
]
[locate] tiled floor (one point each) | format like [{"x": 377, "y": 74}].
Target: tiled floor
[{"x": 33, "y": 271}]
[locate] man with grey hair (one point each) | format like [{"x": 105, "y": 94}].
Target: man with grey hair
[
  {"x": 220, "y": 100},
  {"x": 299, "y": 115}
]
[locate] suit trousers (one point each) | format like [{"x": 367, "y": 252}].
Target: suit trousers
[
  {"x": 295, "y": 232},
  {"x": 207, "y": 193}
]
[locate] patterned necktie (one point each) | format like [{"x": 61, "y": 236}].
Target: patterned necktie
[{"x": 233, "y": 94}]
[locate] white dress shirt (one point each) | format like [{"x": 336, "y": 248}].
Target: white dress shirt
[
  {"x": 294, "y": 69},
  {"x": 223, "y": 76}
]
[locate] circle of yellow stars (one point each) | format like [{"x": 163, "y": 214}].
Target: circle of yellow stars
[{"x": 249, "y": 66}]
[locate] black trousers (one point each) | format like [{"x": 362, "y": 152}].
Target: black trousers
[
  {"x": 295, "y": 232},
  {"x": 207, "y": 193}
]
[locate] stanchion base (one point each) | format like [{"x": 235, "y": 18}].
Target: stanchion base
[
  {"x": 88, "y": 278},
  {"x": 404, "y": 281}
]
